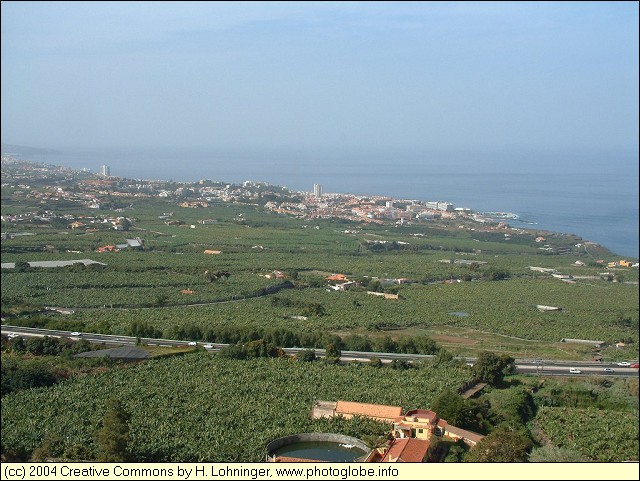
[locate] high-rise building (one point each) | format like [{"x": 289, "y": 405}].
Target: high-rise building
[
  {"x": 105, "y": 170},
  {"x": 317, "y": 190}
]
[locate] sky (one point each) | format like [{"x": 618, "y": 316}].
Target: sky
[{"x": 405, "y": 76}]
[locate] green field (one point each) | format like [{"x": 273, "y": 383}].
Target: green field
[
  {"x": 202, "y": 408},
  {"x": 164, "y": 282},
  {"x": 468, "y": 290}
]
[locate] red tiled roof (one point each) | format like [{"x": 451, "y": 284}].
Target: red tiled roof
[
  {"x": 421, "y": 414},
  {"x": 368, "y": 410},
  {"x": 406, "y": 450},
  {"x": 336, "y": 277}
]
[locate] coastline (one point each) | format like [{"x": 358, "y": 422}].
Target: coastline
[{"x": 579, "y": 204}]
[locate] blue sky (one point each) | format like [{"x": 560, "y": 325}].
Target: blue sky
[{"x": 414, "y": 76}]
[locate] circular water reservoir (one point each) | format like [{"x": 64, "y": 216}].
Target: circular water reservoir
[{"x": 319, "y": 447}]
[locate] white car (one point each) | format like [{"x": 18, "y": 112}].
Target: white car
[
  {"x": 208, "y": 346},
  {"x": 13, "y": 334},
  {"x": 607, "y": 370},
  {"x": 573, "y": 370},
  {"x": 76, "y": 333},
  {"x": 193, "y": 343},
  {"x": 624, "y": 364}
]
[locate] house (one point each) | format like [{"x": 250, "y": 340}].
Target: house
[
  {"x": 107, "y": 248},
  {"x": 402, "y": 280},
  {"x": 407, "y": 450},
  {"x": 337, "y": 278},
  {"x": 417, "y": 423},
  {"x": 345, "y": 286}
]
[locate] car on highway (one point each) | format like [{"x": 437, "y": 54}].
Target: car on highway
[
  {"x": 636, "y": 365},
  {"x": 208, "y": 346},
  {"x": 538, "y": 361},
  {"x": 192, "y": 343},
  {"x": 76, "y": 334},
  {"x": 608, "y": 370},
  {"x": 573, "y": 370},
  {"x": 624, "y": 364}
]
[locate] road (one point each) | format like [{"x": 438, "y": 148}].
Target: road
[{"x": 523, "y": 366}]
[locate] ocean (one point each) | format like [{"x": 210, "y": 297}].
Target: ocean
[{"x": 599, "y": 206}]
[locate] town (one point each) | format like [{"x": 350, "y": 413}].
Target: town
[{"x": 67, "y": 187}]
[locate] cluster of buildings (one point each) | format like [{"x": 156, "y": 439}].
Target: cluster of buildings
[
  {"x": 93, "y": 191},
  {"x": 412, "y": 433},
  {"x": 376, "y": 209},
  {"x": 372, "y": 209},
  {"x": 104, "y": 191},
  {"x": 73, "y": 222}
]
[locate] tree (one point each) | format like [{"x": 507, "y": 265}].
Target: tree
[
  {"x": 400, "y": 365},
  {"x": 375, "y": 362},
  {"x": 332, "y": 353},
  {"x": 51, "y": 447},
  {"x": 492, "y": 368},
  {"x": 308, "y": 355},
  {"x": 443, "y": 358},
  {"x": 355, "y": 342},
  {"x": 160, "y": 300},
  {"x": 456, "y": 452},
  {"x": 125, "y": 223},
  {"x": 113, "y": 438},
  {"x": 504, "y": 445},
  {"x": 22, "y": 266},
  {"x": 450, "y": 406},
  {"x": 18, "y": 344},
  {"x": 17, "y": 376}
]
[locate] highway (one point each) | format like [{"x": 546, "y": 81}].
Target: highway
[{"x": 523, "y": 366}]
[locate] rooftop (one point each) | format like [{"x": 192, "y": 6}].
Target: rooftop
[
  {"x": 406, "y": 450},
  {"x": 370, "y": 410}
]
